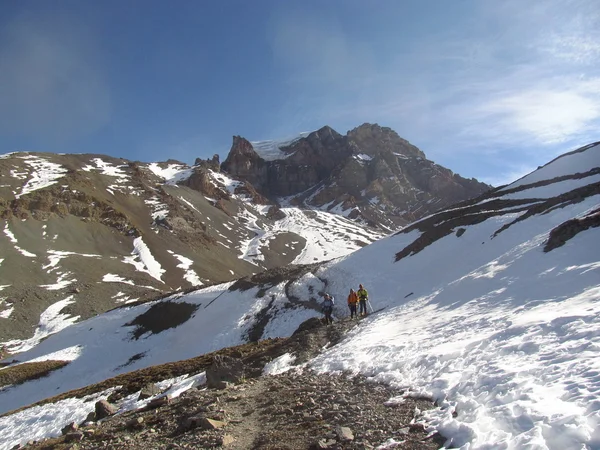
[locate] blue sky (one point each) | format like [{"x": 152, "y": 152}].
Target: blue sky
[{"x": 490, "y": 89}]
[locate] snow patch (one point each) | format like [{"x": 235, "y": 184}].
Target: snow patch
[
  {"x": 185, "y": 264},
  {"x": 279, "y": 365},
  {"x": 13, "y": 239},
  {"x": 51, "y": 321},
  {"x": 113, "y": 278},
  {"x": 40, "y": 422},
  {"x": 143, "y": 260},
  {"x": 44, "y": 173},
  {"x": 107, "y": 169}
]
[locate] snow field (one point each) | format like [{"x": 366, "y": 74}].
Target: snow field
[
  {"x": 564, "y": 165},
  {"x": 512, "y": 345}
]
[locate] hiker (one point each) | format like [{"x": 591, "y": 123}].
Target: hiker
[
  {"x": 363, "y": 298},
  {"x": 328, "y": 308},
  {"x": 352, "y": 301}
]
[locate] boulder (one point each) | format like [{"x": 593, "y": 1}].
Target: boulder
[
  {"x": 104, "y": 409},
  {"x": 224, "y": 369},
  {"x": 74, "y": 437},
  {"x": 345, "y": 434},
  {"x": 71, "y": 428},
  {"x": 211, "y": 424},
  {"x": 150, "y": 390},
  {"x": 227, "y": 440}
]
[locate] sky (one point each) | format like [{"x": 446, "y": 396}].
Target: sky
[
  {"x": 488, "y": 89},
  {"x": 505, "y": 339}
]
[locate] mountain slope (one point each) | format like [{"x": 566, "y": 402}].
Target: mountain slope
[
  {"x": 491, "y": 308},
  {"x": 84, "y": 233}
]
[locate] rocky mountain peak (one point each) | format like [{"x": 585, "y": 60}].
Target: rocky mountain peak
[
  {"x": 241, "y": 147},
  {"x": 373, "y": 138},
  {"x": 245, "y": 163},
  {"x": 325, "y": 136},
  {"x": 371, "y": 174}
]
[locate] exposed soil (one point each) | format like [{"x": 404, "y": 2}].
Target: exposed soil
[
  {"x": 162, "y": 316},
  {"x": 28, "y": 371}
]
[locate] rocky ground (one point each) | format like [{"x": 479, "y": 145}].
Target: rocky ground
[{"x": 240, "y": 409}]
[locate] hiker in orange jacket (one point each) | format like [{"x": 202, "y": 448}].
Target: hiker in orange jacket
[{"x": 352, "y": 302}]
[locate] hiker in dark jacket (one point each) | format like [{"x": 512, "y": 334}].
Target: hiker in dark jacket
[
  {"x": 363, "y": 298},
  {"x": 327, "y": 306}
]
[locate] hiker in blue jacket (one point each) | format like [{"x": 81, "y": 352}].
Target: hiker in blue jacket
[{"x": 327, "y": 307}]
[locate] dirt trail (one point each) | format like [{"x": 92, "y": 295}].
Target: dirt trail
[{"x": 296, "y": 410}]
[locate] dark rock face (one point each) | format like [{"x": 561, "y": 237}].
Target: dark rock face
[
  {"x": 245, "y": 163},
  {"x": 311, "y": 160},
  {"x": 380, "y": 177}
]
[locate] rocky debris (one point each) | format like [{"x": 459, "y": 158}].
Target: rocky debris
[
  {"x": 567, "y": 230},
  {"x": 104, "y": 409},
  {"x": 294, "y": 410}
]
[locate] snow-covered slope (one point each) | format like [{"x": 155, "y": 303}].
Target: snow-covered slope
[{"x": 491, "y": 308}]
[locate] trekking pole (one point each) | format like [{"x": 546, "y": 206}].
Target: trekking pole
[{"x": 369, "y": 303}]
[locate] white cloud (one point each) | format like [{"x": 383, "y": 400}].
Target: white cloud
[
  {"x": 49, "y": 84},
  {"x": 537, "y": 114}
]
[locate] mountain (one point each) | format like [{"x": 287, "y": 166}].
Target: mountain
[
  {"x": 86, "y": 233},
  {"x": 83, "y": 234},
  {"x": 489, "y": 308},
  {"x": 370, "y": 174}
]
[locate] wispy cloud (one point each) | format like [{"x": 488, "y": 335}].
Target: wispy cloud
[{"x": 50, "y": 86}]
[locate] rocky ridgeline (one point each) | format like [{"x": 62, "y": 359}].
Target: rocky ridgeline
[
  {"x": 380, "y": 177},
  {"x": 238, "y": 408}
]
